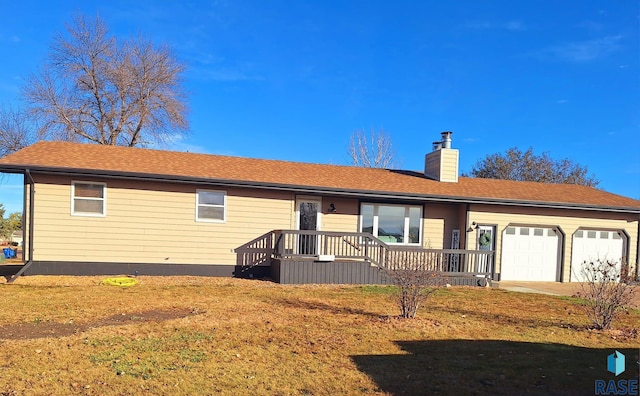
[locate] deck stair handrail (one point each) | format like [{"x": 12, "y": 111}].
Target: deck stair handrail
[
  {"x": 291, "y": 244},
  {"x": 301, "y": 244},
  {"x": 256, "y": 252}
]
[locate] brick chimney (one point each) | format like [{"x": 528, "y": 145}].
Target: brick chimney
[{"x": 442, "y": 163}]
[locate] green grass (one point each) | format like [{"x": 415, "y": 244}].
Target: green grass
[
  {"x": 150, "y": 357},
  {"x": 187, "y": 335},
  {"x": 381, "y": 290}
]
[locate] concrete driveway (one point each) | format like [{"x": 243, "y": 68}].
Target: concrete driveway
[{"x": 556, "y": 288}]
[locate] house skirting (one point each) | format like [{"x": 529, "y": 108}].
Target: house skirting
[
  {"x": 349, "y": 272},
  {"x": 153, "y": 269},
  {"x": 319, "y": 272},
  {"x": 281, "y": 271}
]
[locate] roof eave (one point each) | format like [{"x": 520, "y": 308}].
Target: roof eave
[{"x": 313, "y": 189}]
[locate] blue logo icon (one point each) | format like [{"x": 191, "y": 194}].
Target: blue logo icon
[{"x": 615, "y": 363}]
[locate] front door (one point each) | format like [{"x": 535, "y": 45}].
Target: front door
[
  {"x": 486, "y": 241},
  {"x": 308, "y": 219}
]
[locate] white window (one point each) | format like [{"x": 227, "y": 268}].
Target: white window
[
  {"x": 392, "y": 223},
  {"x": 211, "y": 206},
  {"x": 88, "y": 199}
]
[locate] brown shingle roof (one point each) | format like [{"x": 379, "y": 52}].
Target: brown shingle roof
[{"x": 72, "y": 157}]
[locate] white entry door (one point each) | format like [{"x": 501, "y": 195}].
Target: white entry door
[
  {"x": 529, "y": 254},
  {"x": 590, "y": 245},
  {"x": 308, "y": 212}
]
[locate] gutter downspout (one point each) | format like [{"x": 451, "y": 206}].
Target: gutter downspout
[{"x": 32, "y": 191}]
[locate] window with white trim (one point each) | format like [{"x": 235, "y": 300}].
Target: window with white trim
[
  {"x": 398, "y": 224},
  {"x": 88, "y": 199},
  {"x": 211, "y": 206}
]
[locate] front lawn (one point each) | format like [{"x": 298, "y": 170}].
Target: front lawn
[{"x": 190, "y": 335}]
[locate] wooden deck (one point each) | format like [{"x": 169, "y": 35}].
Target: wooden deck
[{"x": 298, "y": 257}]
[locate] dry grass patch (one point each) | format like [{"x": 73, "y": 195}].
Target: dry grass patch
[{"x": 190, "y": 335}]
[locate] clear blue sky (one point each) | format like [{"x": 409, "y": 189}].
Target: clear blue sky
[{"x": 293, "y": 79}]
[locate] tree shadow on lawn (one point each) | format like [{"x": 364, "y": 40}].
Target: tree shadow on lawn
[{"x": 492, "y": 367}]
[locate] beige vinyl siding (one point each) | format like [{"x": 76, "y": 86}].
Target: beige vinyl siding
[
  {"x": 442, "y": 165},
  {"x": 151, "y": 223},
  {"x": 433, "y": 233},
  {"x": 449, "y": 165},
  {"x": 439, "y": 222},
  {"x": 567, "y": 220},
  {"x": 346, "y": 217}
]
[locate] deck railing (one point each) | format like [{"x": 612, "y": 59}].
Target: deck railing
[
  {"x": 451, "y": 261},
  {"x": 258, "y": 251},
  {"x": 337, "y": 245},
  {"x": 327, "y": 245}
]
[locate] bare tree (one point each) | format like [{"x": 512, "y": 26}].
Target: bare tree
[
  {"x": 416, "y": 278},
  {"x": 516, "y": 165},
  {"x": 606, "y": 291},
  {"x": 98, "y": 89},
  {"x": 16, "y": 131},
  {"x": 371, "y": 150}
]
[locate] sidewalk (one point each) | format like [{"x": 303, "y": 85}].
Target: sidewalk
[{"x": 556, "y": 288}]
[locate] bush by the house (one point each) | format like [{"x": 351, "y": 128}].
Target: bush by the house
[
  {"x": 605, "y": 290},
  {"x": 416, "y": 281}
]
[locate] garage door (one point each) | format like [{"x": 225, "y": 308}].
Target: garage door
[
  {"x": 529, "y": 254},
  {"x": 592, "y": 245}
]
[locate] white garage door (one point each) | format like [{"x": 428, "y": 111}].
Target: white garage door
[
  {"x": 529, "y": 254},
  {"x": 589, "y": 245}
]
